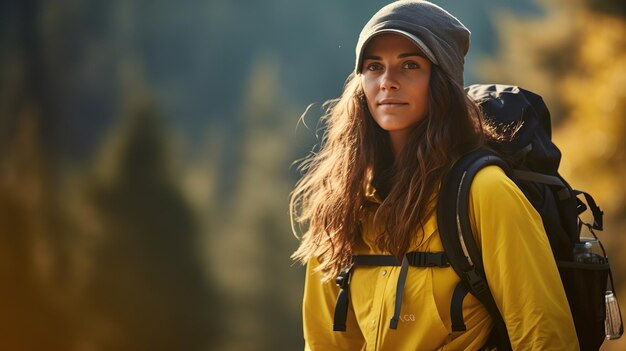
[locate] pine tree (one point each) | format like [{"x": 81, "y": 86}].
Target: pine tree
[{"x": 149, "y": 291}]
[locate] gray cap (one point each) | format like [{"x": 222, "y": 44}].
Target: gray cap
[{"x": 442, "y": 37}]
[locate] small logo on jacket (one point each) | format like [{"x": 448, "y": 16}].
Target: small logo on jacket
[{"x": 408, "y": 318}]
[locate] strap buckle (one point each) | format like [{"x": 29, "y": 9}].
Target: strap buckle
[
  {"x": 341, "y": 306},
  {"x": 343, "y": 279},
  {"x": 476, "y": 281}
]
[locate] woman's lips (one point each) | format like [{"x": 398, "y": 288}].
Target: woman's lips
[{"x": 391, "y": 104}]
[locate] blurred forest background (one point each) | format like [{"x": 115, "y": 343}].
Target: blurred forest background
[{"x": 146, "y": 153}]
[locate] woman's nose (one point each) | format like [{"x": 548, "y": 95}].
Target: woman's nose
[{"x": 389, "y": 80}]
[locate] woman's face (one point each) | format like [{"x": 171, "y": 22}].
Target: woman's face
[{"x": 395, "y": 78}]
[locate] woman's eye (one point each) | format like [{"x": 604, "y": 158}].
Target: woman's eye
[
  {"x": 411, "y": 65},
  {"x": 374, "y": 66}
]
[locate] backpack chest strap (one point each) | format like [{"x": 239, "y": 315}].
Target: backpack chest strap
[{"x": 415, "y": 259}]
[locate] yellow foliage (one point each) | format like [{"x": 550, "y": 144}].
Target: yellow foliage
[
  {"x": 575, "y": 59},
  {"x": 594, "y": 91}
]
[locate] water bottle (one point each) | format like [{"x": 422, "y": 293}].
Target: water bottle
[
  {"x": 582, "y": 251},
  {"x": 588, "y": 250},
  {"x": 613, "y": 322}
]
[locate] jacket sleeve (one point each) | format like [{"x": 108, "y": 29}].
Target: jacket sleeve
[
  {"x": 519, "y": 266},
  {"x": 318, "y": 308}
]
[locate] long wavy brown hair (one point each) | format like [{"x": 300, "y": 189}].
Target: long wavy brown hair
[{"x": 328, "y": 201}]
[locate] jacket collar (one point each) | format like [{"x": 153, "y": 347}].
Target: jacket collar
[{"x": 370, "y": 192}]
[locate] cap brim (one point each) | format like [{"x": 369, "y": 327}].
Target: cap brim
[{"x": 417, "y": 41}]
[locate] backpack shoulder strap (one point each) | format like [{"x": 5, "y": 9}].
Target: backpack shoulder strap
[{"x": 456, "y": 233}]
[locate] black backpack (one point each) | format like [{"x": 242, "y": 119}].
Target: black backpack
[{"x": 531, "y": 160}]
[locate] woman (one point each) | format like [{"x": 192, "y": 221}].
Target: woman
[{"x": 400, "y": 123}]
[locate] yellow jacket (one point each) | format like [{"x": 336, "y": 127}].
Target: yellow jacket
[{"x": 520, "y": 270}]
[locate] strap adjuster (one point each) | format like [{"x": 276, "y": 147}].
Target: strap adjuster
[
  {"x": 343, "y": 299},
  {"x": 476, "y": 281},
  {"x": 343, "y": 279}
]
